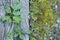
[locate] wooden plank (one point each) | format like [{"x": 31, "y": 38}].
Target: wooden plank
[
  {"x": 1, "y": 30},
  {"x": 2, "y": 12},
  {"x": 24, "y": 16}
]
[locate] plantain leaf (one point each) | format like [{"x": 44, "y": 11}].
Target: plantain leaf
[
  {"x": 17, "y": 5},
  {"x": 17, "y": 29},
  {"x": 7, "y": 19},
  {"x": 7, "y": 9},
  {"x": 17, "y": 13},
  {"x": 15, "y": 35},
  {"x": 16, "y": 19},
  {"x": 21, "y": 36}
]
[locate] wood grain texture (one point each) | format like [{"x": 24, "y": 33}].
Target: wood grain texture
[{"x": 24, "y": 16}]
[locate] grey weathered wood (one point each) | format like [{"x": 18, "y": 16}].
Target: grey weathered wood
[
  {"x": 2, "y": 12},
  {"x": 1, "y": 30},
  {"x": 24, "y": 16}
]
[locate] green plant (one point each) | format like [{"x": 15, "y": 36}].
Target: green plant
[
  {"x": 42, "y": 17},
  {"x": 13, "y": 16},
  {"x": 12, "y": 13}
]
